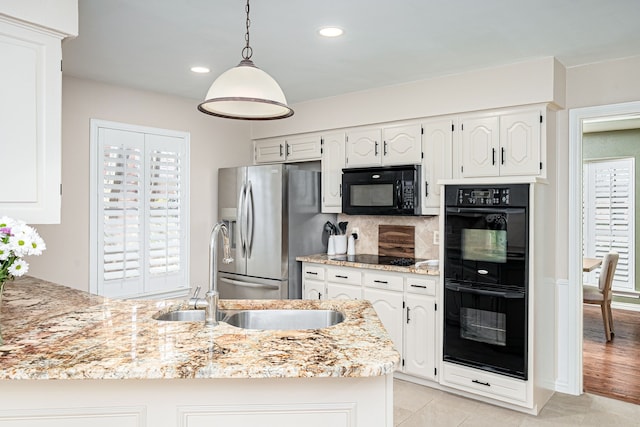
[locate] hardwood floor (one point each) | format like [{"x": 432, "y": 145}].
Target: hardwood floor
[{"x": 611, "y": 369}]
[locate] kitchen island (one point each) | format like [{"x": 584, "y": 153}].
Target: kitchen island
[{"x": 113, "y": 364}]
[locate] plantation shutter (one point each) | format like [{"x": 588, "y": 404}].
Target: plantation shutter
[
  {"x": 609, "y": 213},
  {"x": 120, "y": 210},
  {"x": 142, "y": 212},
  {"x": 166, "y": 221}
]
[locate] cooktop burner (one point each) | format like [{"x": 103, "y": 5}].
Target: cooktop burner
[{"x": 378, "y": 259}]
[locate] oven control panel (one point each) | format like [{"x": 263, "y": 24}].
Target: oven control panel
[{"x": 483, "y": 197}]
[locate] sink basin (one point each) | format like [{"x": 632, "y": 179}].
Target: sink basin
[
  {"x": 182, "y": 316},
  {"x": 284, "y": 319}
]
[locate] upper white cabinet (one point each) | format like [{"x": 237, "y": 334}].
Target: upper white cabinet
[
  {"x": 363, "y": 148},
  {"x": 333, "y": 158},
  {"x": 504, "y": 144},
  {"x": 30, "y": 121},
  {"x": 302, "y": 148},
  {"x": 269, "y": 150},
  {"x": 294, "y": 149},
  {"x": 396, "y": 145},
  {"x": 437, "y": 146}
]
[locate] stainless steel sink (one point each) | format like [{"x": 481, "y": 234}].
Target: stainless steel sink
[
  {"x": 182, "y": 316},
  {"x": 284, "y": 319}
]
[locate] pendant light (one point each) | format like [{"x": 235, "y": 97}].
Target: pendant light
[{"x": 246, "y": 92}]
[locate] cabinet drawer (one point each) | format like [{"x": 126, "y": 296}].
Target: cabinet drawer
[
  {"x": 484, "y": 383},
  {"x": 419, "y": 285},
  {"x": 313, "y": 272},
  {"x": 340, "y": 275},
  {"x": 383, "y": 281}
]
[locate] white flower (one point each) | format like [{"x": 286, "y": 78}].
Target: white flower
[
  {"x": 19, "y": 267},
  {"x": 5, "y": 221},
  {"x": 20, "y": 240},
  {"x": 37, "y": 244},
  {"x": 5, "y": 251}
]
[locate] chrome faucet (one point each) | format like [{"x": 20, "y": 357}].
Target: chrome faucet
[{"x": 210, "y": 301}]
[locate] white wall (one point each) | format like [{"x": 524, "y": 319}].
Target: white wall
[
  {"x": 536, "y": 81},
  {"x": 215, "y": 143}
]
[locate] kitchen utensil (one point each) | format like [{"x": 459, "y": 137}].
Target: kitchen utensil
[
  {"x": 343, "y": 227},
  {"x": 330, "y": 228}
]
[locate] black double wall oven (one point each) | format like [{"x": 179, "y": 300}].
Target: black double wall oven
[{"x": 486, "y": 277}]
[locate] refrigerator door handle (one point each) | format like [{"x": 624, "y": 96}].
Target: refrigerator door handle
[
  {"x": 241, "y": 220},
  {"x": 247, "y": 284},
  {"x": 250, "y": 219}
]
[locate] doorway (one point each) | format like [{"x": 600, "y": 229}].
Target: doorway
[{"x": 578, "y": 119}]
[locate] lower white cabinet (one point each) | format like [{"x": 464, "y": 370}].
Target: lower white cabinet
[
  {"x": 389, "y": 306},
  {"x": 484, "y": 383},
  {"x": 420, "y": 336},
  {"x": 405, "y": 304}
]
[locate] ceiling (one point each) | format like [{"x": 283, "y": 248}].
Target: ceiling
[{"x": 151, "y": 44}]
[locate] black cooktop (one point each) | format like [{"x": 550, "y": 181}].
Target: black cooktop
[{"x": 378, "y": 259}]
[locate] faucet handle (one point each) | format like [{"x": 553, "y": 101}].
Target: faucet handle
[{"x": 196, "y": 292}]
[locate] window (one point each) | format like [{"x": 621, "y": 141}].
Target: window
[
  {"x": 139, "y": 211},
  {"x": 609, "y": 217}
]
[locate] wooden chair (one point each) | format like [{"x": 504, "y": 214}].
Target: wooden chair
[{"x": 601, "y": 294}]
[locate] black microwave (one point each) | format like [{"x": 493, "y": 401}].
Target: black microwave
[{"x": 390, "y": 190}]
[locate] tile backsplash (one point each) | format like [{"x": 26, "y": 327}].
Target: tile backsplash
[{"x": 367, "y": 242}]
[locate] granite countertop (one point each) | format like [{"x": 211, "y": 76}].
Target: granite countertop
[
  {"x": 340, "y": 261},
  {"x": 55, "y": 332}
]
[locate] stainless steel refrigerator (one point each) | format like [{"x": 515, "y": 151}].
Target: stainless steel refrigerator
[{"x": 273, "y": 215}]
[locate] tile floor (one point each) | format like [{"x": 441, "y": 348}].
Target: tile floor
[{"x": 418, "y": 406}]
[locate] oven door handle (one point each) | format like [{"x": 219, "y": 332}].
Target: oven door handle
[{"x": 486, "y": 292}]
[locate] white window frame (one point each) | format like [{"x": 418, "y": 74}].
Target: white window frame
[
  {"x": 624, "y": 278},
  {"x": 148, "y": 288}
]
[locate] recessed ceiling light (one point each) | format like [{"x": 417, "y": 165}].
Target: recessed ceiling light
[
  {"x": 201, "y": 70},
  {"x": 330, "y": 31}
]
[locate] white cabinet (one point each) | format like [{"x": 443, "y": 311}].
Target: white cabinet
[
  {"x": 294, "y": 149},
  {"x": 303, "y": 148},
  {"x": 505, "y": 144},
  {"x": 420, "y": 336},
  {"x": 30, "y": 121},
  {"x": 396, "y": 145},
  {"x": 269, "y": 151},
  {"x": 333, "y": 161},
  {"x": 405, "y": 304},
  {"x": 437, "y": 146},
  {"x": 363, "y": 148},
  {"x": 401, "y": 145},
  {"x": 313, "y": 283},
  {"x": 389, "y": 308},
  {"x": 343, "y": 283}
]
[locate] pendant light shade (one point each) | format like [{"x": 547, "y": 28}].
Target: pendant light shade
[{"x": 246, "y": 92}]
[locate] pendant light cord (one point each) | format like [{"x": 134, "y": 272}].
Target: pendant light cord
[{"x": 247, "y": 52}]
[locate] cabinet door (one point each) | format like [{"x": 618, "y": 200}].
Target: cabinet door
[
  {"x": 363, "y": 148},
  {"x": 333, "y": 157},
  {"x": 402, "y": 145},
  {"x": 313, "y": 290},
  {"x": 30, "y": 123},
  {"x": 340, "y": 291},
  {"x": 420, "y": 336},
  {"x": 520, "y": 143},
  {"x": 480, "y": 144},
  {"x": 270, "y": 151},
  {"x": 437, "y": 144},
  {"x": 303, "y": 148},
  {"x": 388, "y": 306}
]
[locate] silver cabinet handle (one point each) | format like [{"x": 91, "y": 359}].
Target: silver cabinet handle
[
  {"x": 408, "y": 319},
  {"x": 381, "y": 281},
  {"x": 376, "y": 149},
  {"x": 280, "y": 150},
  {"x": 481, "y": 383},
  {"x": 384, "y": 148}
]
